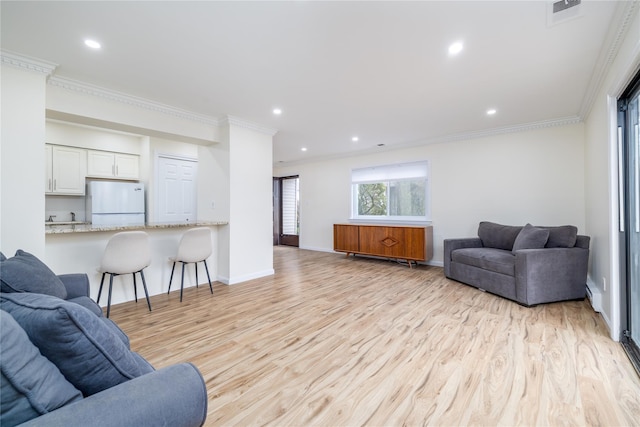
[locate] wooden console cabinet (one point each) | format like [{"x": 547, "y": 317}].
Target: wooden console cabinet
[{"x": 411, "y": 243}]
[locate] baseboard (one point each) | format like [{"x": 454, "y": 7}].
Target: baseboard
[
  {"x": 595, "y": 296},
  {"x": 239, "y": 279},
  {"x": 313, "y": 248}
]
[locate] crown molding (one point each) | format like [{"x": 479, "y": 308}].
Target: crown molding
[
  {"x": 467, "y": 136},
  {"x": 145, "y": 104},
  {"x": 28, "y": 63},
  {"x": 618, "y": 30},
  {"x": 231, "y": 120},
  {"x": 525, "y": 127}
]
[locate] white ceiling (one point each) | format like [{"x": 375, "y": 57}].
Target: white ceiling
[{"x": 378, "y": 70}]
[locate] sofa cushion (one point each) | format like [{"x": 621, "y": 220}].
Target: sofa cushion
[
  {"x": 2, "y": 257},
  {"x": 531, "y": 237},
  {"x": 87, "y": 303},
  {"x": 31, "y": 384},
  {"x": 498, "y": 260},
  {"x": 563, "y": 236},
  {"x": 26, "y": 273},
  {"x": 87, "y": 352},
  {"x": 497, "y": 236}
]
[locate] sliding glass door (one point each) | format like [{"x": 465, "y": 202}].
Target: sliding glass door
[{"x": 629, "y": 164}]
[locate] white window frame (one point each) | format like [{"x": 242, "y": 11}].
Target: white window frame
[{"x": 386, "y": 174}]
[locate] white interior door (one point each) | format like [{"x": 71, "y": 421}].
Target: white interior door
[{"x": 177, "y": 190}]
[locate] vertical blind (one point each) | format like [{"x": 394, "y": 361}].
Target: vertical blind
[{"x": 290, "y": 206}]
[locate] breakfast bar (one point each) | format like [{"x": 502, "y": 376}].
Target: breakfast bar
[{"x": 78, "y": 248}]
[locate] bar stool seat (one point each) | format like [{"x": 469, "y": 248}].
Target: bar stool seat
[
  {"x": 127, "y": 252},
  {"x": 195, "y": 246}
]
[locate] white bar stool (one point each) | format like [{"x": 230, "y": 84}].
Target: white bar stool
[
  {"x": 126, "y": 252},
  {"x": 195, "y": 246}
]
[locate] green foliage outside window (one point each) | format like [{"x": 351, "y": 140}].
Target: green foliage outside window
[{"x": 372, "y": 199}]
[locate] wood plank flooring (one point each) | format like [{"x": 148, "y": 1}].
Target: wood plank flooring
[{"x": 335, "y": 341}]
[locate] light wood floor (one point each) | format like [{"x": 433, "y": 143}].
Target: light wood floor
[{"x": 331, "y": 341}]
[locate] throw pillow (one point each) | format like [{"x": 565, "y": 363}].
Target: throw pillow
[
  {"x": 497, "y": 236},
  {"x": 31, "y": 384},
  {"x": 26, "y": 273},
  {"x": 563, "y": 236},
  {"x": 531, "y": 238},
  {"x": 87, "y": 352}
]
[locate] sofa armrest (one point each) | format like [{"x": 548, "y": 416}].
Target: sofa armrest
[
  {"x": 551, "y": 274},
  {"x": 451, "y": 245},
  {"x": 77, "y": 285},
  {"x": 172, "y": 396}
]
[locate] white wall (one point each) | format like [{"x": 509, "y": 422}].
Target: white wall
[
  {"x": 91, "y": 138},
  {"x": 71, "y": 101},
  {"x": 535, "y": 176},
  {"x": 251, "y": 207},
  {"x": 241, "y": 191},
  {"x": 601, "y": 179},
  {"x": 22, "y": 166}
]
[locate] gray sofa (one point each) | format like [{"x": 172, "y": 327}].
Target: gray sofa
[
  {"x": 529, "y": 265},
  {"x": 63, "y": 363}
]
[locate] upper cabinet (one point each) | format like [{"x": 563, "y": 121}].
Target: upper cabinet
[
  {"x": 66, "y": 168},
  {"x": 105, "y": 164}
]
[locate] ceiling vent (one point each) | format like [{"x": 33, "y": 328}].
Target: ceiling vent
[{"x": 563, "y": 11}]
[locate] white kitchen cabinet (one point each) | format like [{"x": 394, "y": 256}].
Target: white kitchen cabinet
[
  {"x": 66, "y": 168},
  {"x": 106, "y": 164}
]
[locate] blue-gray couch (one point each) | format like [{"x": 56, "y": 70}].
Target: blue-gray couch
[
  {"x": 63, "y": 363},
  {"x": 529, "y": 265}
]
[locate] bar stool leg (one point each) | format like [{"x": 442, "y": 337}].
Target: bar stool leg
[
  {"x": 109, "y": 299},
  {"x": 135, "y": 287},
  {"x": 182, "y": 283},
  {"x": 144, "y": 285},
  {"x": 171, "y": 277},
  {"x": 195, "y": 265},
  {"x": 100, "y": 290},
  {"x": 208, "y": 277}
]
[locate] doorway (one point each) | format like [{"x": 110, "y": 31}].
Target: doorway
[
  {"x": 176, "y": 189},
  {"x": 629, "y": 227},
  {"x": 286, "y": 211}
]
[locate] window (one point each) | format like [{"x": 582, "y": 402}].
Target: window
[{"x": 391, "y": 192}]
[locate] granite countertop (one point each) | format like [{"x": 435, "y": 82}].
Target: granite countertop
[{"x": 65, "y": 228}]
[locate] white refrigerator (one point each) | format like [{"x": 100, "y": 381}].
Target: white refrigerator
[{"x": 115, "y": 203}]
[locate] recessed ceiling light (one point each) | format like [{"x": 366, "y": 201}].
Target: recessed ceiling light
[
  {"x": 355, "y": 139},
  {"x": 277, "y": 111},
  {"x": 92, "y": 44},
  {"x": 303, "y": 149},
  {"x": 455, "y": 48},
  {"x": 491, "y": 111}
]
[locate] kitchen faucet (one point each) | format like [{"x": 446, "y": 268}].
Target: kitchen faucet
[
  {"x": 51, "y": 218},
  {"x": 73, "y": 217}
]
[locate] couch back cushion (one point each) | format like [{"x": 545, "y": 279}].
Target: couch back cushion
[
  {"x": 26, "y": 273},
  {"x": 30, "y": 384},
  {"x": 531, "y": 237},
  {"x": 85, "y": 349},
  {"x": 497, "y": 236},
  {"x": 563, "y": 236}
]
